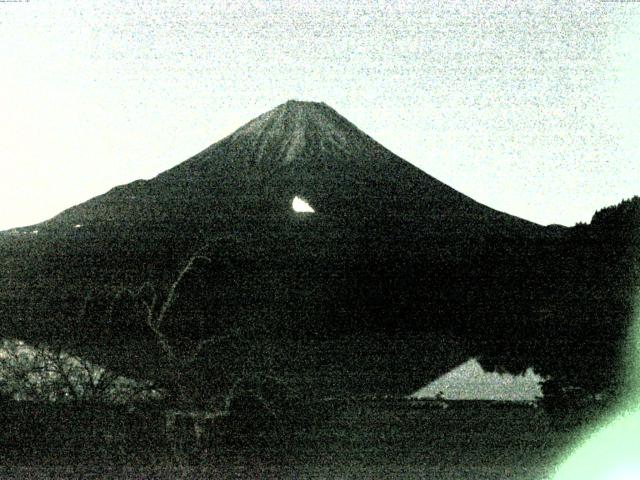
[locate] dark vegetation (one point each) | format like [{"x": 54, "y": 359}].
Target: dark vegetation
[
  {"x": 560, "y": 303},
  {"x": 581, "y": 290},
  {"x": 396, "y": 279},
  {"x": 351, "y": 438}
]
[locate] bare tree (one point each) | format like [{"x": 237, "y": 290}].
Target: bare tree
[
  {"x": 177, "y": 357},
  {"x": 180, "y": 357}
]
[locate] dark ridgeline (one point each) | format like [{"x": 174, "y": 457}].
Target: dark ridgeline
[
  {"x": 585, "y": 283},
  {"x": 395, "y": 279}
]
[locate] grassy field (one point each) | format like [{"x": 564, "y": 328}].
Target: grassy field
[{"x": 332, "y": 439}]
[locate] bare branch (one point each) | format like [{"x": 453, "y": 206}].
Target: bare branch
[
  {"x": 83, "y": 309},
  {"x": 208, "y": 342},
  {"x": 174, "y": 286},
  {"x": 230, "y": 395},
  {"x": 154, "y": 319},
  {"x": 65, "y": 374},
  {"x": 151, "y": 308}
]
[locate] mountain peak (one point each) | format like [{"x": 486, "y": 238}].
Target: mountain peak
[
  {"x": 293, "y": 103},
  {"x": 300, "y": 110},
  {"x": 292, "y": 126}
]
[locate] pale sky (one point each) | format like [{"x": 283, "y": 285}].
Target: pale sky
[{"x": 529, "y": 107}]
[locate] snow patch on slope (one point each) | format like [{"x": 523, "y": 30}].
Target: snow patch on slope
[{"x": 300, "y": 206}]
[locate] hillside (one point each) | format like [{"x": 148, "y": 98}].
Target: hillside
[{"x": 393, "y": 280}]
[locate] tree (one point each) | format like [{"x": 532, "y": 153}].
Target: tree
[
  {"x": 180, "y": 359},
  {"x": 45, "y": 373}
]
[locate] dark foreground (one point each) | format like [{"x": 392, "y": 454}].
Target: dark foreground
[{"x": 329, "y": 439}]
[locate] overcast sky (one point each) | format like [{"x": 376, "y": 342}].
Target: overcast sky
[{"x": 529, "y": 107}]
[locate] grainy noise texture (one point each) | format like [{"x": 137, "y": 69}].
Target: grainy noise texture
[
  {"x": 366, "y": 271},
  {"x": 528, "y": 107}
]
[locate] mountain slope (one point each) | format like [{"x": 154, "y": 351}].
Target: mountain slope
[{"x": 299, "y": 148}]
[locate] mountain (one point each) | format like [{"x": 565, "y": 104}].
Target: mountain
[
  {"x": 393, "y": 279},
  {"x": 299, "y": 148}
]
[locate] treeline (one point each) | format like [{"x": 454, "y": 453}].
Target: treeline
[{"x": 581, "y": 293}]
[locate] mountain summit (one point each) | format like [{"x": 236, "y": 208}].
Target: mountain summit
[
  {"x": 293, "y": 127},
  {"x": 297, "y": 130}
]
